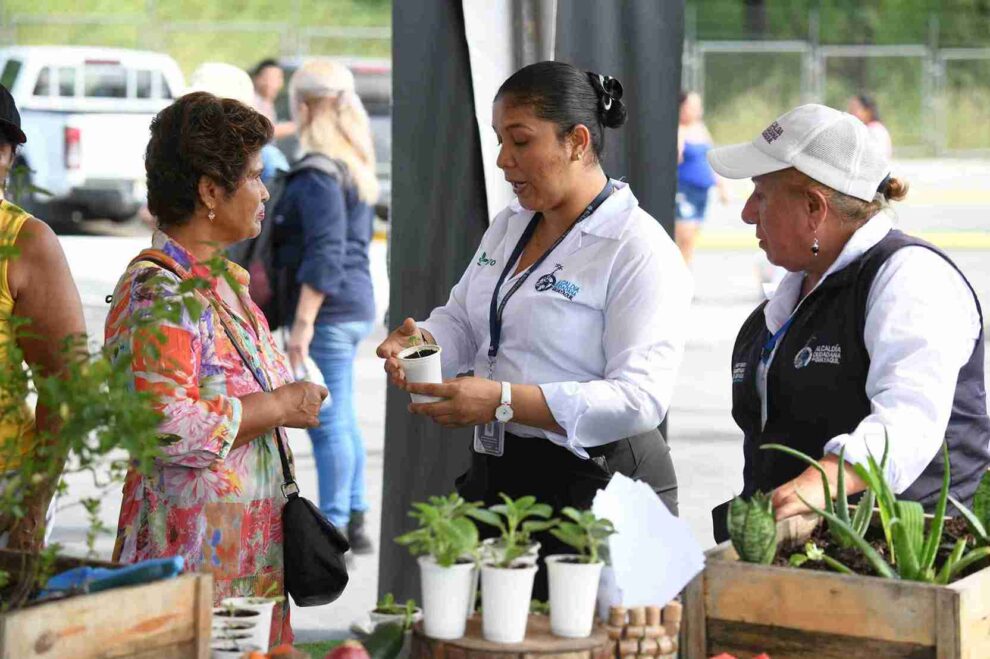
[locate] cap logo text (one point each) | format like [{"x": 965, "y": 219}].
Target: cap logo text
[{"x": 772, "y": 132}]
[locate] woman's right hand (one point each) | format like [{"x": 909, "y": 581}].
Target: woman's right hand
[
  {"x": 395, "y": 343},
  {"x": 300, "y": 404}
]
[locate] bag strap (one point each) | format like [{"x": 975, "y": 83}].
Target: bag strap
[{"x": 289, "y": 487}]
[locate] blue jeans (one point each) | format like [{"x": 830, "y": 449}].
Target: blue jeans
[{"x": 337, "y": 443}]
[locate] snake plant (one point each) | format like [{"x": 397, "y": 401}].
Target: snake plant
[{"x": 753, "y": 528}]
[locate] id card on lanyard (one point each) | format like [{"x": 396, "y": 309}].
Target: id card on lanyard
[{"x": 490, "y": 437}]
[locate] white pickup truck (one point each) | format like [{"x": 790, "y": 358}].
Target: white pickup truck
[{"x": 86, "y": 113}]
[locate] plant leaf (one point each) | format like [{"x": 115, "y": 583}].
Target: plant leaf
[
  {"x": 975, "y": 525},
  {"x": 927, "y": 561},
  {"x": 876, "y": 560},
  {"x": 981, "y": 500}
]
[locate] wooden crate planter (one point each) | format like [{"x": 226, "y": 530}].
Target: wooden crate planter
[
  {"x": 162, "y": 620},
  {"x": 744, "y": 609}
]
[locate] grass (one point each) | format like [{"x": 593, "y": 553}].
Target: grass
[{"x": 266, "y": 27}]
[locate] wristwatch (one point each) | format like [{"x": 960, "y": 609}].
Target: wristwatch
[{"x": 503, "y": 413}]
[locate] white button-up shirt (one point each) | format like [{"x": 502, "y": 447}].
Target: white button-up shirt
[
  {"x": 921, "y": 328},
  {"x": 603, "y": 336}
]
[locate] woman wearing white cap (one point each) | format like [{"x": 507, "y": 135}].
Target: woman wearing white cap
[{"x": 872, "y": 332}]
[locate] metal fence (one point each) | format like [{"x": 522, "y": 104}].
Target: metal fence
[{"x": 936, "y": 100}]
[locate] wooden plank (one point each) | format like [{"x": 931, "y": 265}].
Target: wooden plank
[
  {"x": 203, "y": 616},
  {"x": 693, "y": 623},
  {"x": 116, "y": 623},
  {"x": 747, "y": 640},
  {"x": 822, "y": 602},
  {"x": 947, "y": 641},
  {"x": 539, "y": 643},
  {"x": 974, "y": 614}
]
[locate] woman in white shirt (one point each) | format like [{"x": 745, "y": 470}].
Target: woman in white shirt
[
  {"x": 871, "y": 334},
  {"x": 574, "y": 360}
]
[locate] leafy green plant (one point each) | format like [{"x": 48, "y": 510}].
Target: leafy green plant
[
  {"x": 859, "y": 522},
  {"x": 389, "y": 606},
  {"x": 813, "y": 552},
  {"x": 539, "y": 607},
  {"x": 585, "y": 532},
  {"x": 515, "y": 521},
  {"x": 104, "y": 427},
  {"x": 753, "y": 528},
  {"x": 912, "y": 551},
  {"x": 445, "y": 531}
]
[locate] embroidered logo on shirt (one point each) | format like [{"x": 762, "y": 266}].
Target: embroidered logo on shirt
[
  {"x": 549, "y": 282},
  {"x": 739, "y": 373},
  {"x": 484, "y": 260},
  {"x": 824, "y": 354}
]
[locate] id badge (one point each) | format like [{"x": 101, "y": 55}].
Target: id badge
[{"x": 490, "y": 438}]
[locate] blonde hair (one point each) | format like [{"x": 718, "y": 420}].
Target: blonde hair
[{"x": 335, "y": 122}]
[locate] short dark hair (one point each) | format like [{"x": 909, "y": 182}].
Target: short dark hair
[
  {"x": 264, "y": 64},
  {"x": 199, "y": 135},
  {"x": 562, "y": 93}
]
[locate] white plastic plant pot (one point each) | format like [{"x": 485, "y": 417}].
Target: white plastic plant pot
[
  {"x": 264, "y": 606},
  {"x": 378, "y": 618},
  {"x": 505, "y": 598},
  {"x": 445, "y": 597},
  {"x": 421, "y": 364},
  {"x": 493, "y": 552},
  {"x": 573, "y": 591}
]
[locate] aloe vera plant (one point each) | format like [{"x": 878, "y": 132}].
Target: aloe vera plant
[
  {"x": 859, "y": 522},
  {"x": 753, "y": 528},
  {"x": 913, "y": 551},
  {"x": 978, "y": 519}
]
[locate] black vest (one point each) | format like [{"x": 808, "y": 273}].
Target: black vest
[{"x": 816, "y": 385}]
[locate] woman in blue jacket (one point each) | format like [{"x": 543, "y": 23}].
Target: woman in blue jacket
[{"x": 323, "y": 229}]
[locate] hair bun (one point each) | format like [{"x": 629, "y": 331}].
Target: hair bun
[{"x": 611, "y": 110}]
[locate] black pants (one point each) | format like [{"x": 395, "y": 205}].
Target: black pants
[{"x": 555, "y": 476}]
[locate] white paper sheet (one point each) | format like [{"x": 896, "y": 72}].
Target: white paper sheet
[{"x": 653, "y": 554}]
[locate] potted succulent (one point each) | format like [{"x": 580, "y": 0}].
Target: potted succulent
[
  {"x": 573, "y": 578},
  {"x": 387, "y": 610},
  {"x": 899, "y": 581},
  {"x": 421, "y": 363},
  {"x": 507, "y": 583},
  {"x": 444, "y": 541}
]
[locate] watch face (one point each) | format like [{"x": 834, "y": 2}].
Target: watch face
[{"x": 503, "y": 413}]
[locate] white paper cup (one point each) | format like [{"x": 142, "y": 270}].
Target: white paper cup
[
  {"x": 422, "y": 370},
  {"x": 264, "y": 606},
  {"x": 445, "y": 597},
  {"x": 505, "y": 598},
  {"x": 573, "y": 591}
]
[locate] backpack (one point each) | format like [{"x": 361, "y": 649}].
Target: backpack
[{"x": 271, "y": 285}]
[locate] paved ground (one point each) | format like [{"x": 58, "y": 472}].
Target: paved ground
[{"x": 950, "y": 201}]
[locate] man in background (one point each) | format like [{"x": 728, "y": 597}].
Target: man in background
[{"x": 268, "y": 79}]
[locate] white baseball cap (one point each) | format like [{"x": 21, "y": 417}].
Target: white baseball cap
[
  {"x": 832, "y": 147},
  {"x": 223, "y": 81}
]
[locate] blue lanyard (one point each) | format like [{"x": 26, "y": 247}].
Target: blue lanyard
[
  {"x": 496, "y": 309},
  {"x": 771, "y": 343}
]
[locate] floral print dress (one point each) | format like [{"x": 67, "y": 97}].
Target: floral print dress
[{"x": 219, "y": 508}]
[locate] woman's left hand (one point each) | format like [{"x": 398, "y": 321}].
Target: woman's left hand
[
  {"x": 470, "y": 401},
  {"x": 298, "y": 344},
  {"x": 808, "y": 484}
]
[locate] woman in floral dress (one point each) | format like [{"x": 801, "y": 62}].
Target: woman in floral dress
[{"x": 214, "y": 496}]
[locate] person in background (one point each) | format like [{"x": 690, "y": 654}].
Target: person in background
[
  {"x": 268, "y": 79},
  {"x": 215, "y": 494},
  {"x": 37, "y": 286},
  {"x": 864, "y": 108},
  {"x": 874, "y": 339},
  {"x": 323, "y": 230},
  {"x": 694, "y": 176}
]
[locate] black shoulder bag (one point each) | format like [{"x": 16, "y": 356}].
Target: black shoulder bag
[{"x": 313, "y": 549}]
